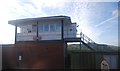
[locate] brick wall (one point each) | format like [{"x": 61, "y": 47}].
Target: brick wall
[{"x": 47, "y": 55}]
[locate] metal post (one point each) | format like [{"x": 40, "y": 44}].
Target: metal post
[
  {"x": 80, "y": 44},
  {"x": 62, "y": 29},
  {"x": 15, "y": 34},
  {"x": 37, "y": 32}
]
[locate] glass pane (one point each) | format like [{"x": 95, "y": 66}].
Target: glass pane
[
  {"x": 46, "y": 27},
  {"x": 18, "y": 30},
  {"x": 22, "y": 29},
  {"x": 52, "y": 27},
  {"x": 40, "y": 27},
  {"x": 34, "y": 28},
  {"x": 58, "y": 27},
  {"x": 26, "y": 29}
]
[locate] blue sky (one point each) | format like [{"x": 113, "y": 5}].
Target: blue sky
[{"x": 98, "y": 20}]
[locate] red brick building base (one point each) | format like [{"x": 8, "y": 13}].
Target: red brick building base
[{"x": 34, "y": 55}]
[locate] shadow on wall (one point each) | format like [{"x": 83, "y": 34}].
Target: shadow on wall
[{"x": 0, "y": 57}]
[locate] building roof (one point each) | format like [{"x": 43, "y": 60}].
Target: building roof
[{"x": 18, "y": 21}]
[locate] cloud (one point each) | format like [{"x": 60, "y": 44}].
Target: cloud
[
  {"x": 115, "y": 13},
  {"x": 95, "y": 0},
  {"x": 22, "y": 9},
  {"x": 48, "y": 3},
  {"x": 109, "y": 26},
  {"x": 81, "y": 14},
  {"x": 105, "y": 22},
  {"x": 114, "y": 16},
  {"x": 31, "y": 8}
]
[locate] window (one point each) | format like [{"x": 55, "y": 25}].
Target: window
[
  {"x": 52, "y": 27},
  {"x": 46, "y": 27},
  {"x": 19, "y": 30},
  {"x": 34, "y": 28},
  {"x": 58, "y": 27},
  {"x": 40, "y": 27},
  {"x": 24, "y": 29},
  {"x": 49, "y": 27}
]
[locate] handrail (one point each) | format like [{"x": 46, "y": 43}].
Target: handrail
[{"x": 85, "y": 38}]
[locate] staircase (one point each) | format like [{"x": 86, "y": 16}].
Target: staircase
[
  {"x": 84, "y": 40},
  {"x": 88, "y": 42}
]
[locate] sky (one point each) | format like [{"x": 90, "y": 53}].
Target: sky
[{"x": 97, "y": 19}]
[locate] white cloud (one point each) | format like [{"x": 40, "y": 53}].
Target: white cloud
[
  {"x": 49, "y": 3},
  {"x": 114, "y": 16},
  {"x": 105, "y": 21},
  {"x": 106, "y": 25},
  {"x": 115, "y": 12},
  {"x": 95, "y": 0},
  {"x": 81, "y": 15}
]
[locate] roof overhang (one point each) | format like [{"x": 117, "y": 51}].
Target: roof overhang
[{"x": 33, "y": 20}]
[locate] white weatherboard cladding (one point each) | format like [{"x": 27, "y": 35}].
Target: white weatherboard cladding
[
  {"x": 0, "y": 57},
  {"x": 72, "y": 30},
  {"x": 25, "y": 36},
  {"x": 112, "y": 61},
  {"x": 69, "y": 31},
  {"x": 50, "y": 36}
]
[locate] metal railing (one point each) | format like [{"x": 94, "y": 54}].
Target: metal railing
[{"x": 85, "y": 38}]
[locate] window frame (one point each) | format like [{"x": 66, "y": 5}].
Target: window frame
[{"x": 50, "y": 27}]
